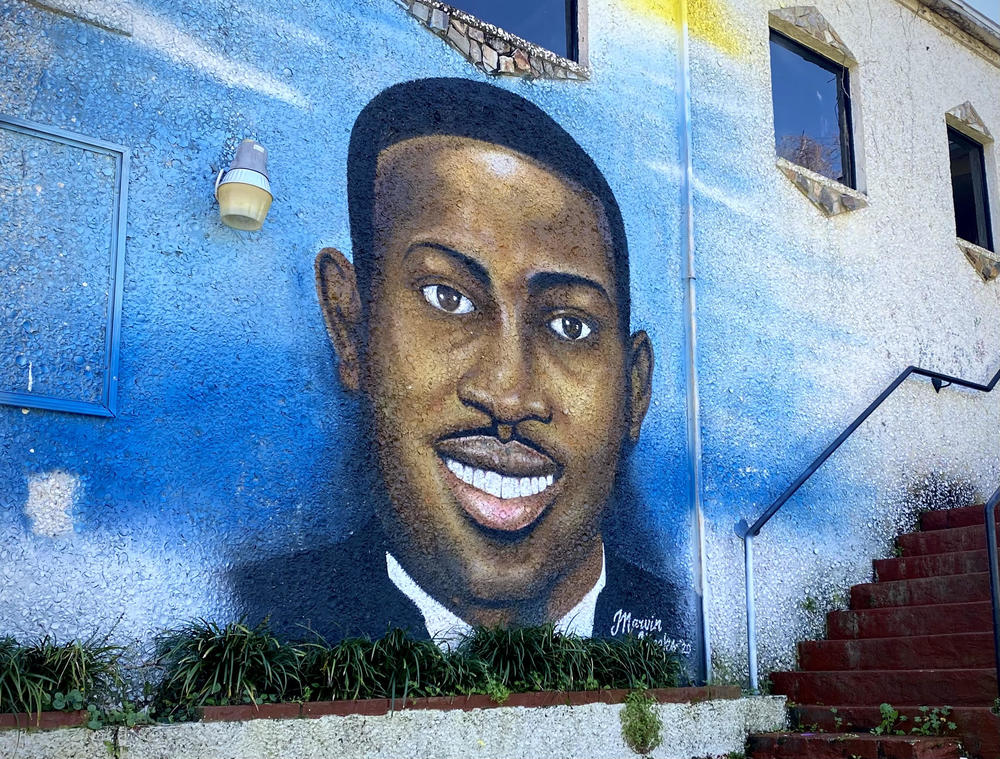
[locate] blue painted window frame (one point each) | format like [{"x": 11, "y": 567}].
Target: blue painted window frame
[{"x": 108, "y": 405}]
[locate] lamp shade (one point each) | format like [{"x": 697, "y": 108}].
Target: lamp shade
[{"x": 244, "y": 192}]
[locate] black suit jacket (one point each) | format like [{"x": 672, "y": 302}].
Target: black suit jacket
[{"x": 343, "y": 590}]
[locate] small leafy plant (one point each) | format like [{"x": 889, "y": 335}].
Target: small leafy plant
[
  {"x": 891, "y": 720},
  {"x": 932, "y": 721},
  {"x": 642, "y": 727}
]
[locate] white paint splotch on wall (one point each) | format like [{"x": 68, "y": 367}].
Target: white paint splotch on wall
[{"x": 51, "y": 497}]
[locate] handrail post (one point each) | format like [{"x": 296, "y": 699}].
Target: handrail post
[
  {"x": 994, "y": 566},
  {"x": 751, "y": 613}
]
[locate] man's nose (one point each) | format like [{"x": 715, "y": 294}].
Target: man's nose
[{"x": 503, "y": 380}]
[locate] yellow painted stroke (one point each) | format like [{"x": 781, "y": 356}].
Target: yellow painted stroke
[{"x": 707, "y": 19}]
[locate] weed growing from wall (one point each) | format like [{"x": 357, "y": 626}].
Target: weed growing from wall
[{"x": 641, "y": 726}]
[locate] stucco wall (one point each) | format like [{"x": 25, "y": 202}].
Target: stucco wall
[{"x": 234, "y": 438}]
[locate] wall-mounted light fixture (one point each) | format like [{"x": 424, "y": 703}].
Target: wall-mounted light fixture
[{"x": 243, "y": 192}]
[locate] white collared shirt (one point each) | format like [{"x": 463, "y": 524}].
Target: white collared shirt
[{"x": 448, "y": 629}]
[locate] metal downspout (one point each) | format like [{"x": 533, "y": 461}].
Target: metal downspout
[{"x": 691, "y": 333}]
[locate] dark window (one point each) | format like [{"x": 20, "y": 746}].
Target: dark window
[
  {"x": 812, "y": 110},
  {"x": 551, "y": 24},
  {"x": 968, "y": 188}
]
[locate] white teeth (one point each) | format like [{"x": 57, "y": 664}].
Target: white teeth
[
  {"x": 493, "y": 484},
  {"x": 496, "y": 484}
]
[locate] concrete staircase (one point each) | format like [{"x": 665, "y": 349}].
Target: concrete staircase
[{"x": 922, "y": 635}]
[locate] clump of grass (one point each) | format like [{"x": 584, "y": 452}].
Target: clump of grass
[
  {"x": 540, "y": 658},
  {"x": 531, "y": 658},
  {"x": 46, "y": 674},
  {"x": 208, "y": 664},
  {"x": 633, "y": 662},
  {"x": 205, "y": 664}
]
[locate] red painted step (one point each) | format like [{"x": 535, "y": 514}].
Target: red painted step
[
  {"x": 843, "y": 745},
  {"x": 954, "y": 563},
  {"x": 969, "y": 538},
  {"x": 900, "y": 621},
  {"x": 964, "y": 650},
  {"x": 922, "y": 591},
  {"x": 957, "y": 687},
  {"x": 977, "y": 726},
  {"x": 960, "y": 517}
]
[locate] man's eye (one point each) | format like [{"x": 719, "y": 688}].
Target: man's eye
[
  {"x": 447, "y": 299},
  {"x": 570, "y": 327}
]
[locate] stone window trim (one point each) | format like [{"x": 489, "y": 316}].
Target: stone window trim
[
  {"x": 828, "y": 195},
  {"x": 965, "y": 119},
  {"x": 495, "y": 51},
  {"x": 985, "y": 262},
  {"x": 807, "y": 26}
]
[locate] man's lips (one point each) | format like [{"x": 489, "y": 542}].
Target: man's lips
[{"x": 502, "y": 486}]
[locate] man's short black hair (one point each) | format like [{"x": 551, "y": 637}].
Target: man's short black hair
[{"x": 478, "y": 111}]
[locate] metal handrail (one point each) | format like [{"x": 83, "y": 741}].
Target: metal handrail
[
  {"x": 991, "y": 553},
  {"x": 749, "y": 532}
]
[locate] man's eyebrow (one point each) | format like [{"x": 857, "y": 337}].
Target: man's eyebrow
[
  {"x": 475, "y": 268},
  {"x": 544, "y": 280}
]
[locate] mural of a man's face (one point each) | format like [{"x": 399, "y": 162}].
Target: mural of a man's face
[{"x": 501, "y": 387}]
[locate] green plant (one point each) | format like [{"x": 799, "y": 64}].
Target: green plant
[
  {"x": 205, "y": 664},
  {"x": 497, "y": 691},
  {"x": 540, "y": 658},
  {"x": 891, "y": 720},
  {"x": 809, "y": 604},
  {"x": 932, "y": 721},
  {"x": 46, "y": 674},
  {"x": 641, "y": 725},
  {"x": 837, "y": 719}
]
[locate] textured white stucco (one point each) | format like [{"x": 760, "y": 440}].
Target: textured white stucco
[
  {"x": 707, "y": 729},
  {"x": 831, "y": 310}
]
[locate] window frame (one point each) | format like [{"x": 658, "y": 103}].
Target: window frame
[
  {"x": 576, "y": 28},
  {"x": 107, "y": 405},
  {"x": 845, "y": 118},
  {"x": 984, "y": 222}
]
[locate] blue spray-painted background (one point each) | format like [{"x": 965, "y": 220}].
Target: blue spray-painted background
[{"x": 230, "y": 437}]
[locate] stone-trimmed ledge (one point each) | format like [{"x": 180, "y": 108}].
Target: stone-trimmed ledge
[
  {"x": 489, "y": 48},
  {"x": 714, "y": 727},
  {"x": 828, "y": 195},
  {"x": 985, "y": 262}
]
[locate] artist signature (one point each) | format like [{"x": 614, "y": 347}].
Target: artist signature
[{"x": 623, "y": 623}]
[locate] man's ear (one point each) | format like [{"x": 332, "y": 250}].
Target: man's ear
[
  {"x": 338, "y": 297},
  {"x": 640, "y": 385}
]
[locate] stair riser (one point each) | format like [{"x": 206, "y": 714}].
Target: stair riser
[
  {"x": 944, "y": 652},
  {"x": 923, "y": 591},
  {"x": 907, "y": 621},
  {"x": 812, "y": 746},
  {"x": 963, "y": 562},
  {"x": 955, "y": 687},
  {"x": 978, "y": 729},
  {"x": 965, "y": 516},
  {"x": 943, "y": 541}
]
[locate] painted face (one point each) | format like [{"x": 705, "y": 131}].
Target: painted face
[{"x": 496, "y": 374}]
